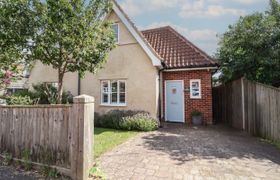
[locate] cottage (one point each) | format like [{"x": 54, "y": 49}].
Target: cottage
[{"x": 156, "y": 70}]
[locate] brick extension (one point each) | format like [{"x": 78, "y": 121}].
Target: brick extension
[
  {"x": 204, "y": 104},
  {"x": 177, "y": 52}
]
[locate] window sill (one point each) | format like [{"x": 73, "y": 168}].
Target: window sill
[
  {"x": 195, "y": 98},
  {"x": 113, "y": 105}
]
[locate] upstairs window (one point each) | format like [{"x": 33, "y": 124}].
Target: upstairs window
[
  {"x": 195, "y": 89},
  {"x": 113, "y": 92},
  {"x": 115, "y": 28}
]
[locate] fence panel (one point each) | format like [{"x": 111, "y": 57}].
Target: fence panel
[
  {"x": 59, "y": 136},
  {"x": 250, "y": 106},
  {"x": 41, "y": 132}
]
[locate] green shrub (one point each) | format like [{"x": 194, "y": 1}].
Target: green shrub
[
  {"x": 24, "y": 92},
  {"x": 26, "y": 157},
  {"x": 277, "y": 144},
  {"x": 140, "y": 122},
  {"x": 19, "y": 100},
  {"x": 50, "y": 173},
  {"x": 196, "y": 113},
  {"x": 112, "y": 118},
  {"x": 8, "y": 158},
  {"x": 96, "y": 173},
  {"x": 127, "y": 120},
  {"x": 47, "y": 93},
  {"x": 41, "y": 94}
]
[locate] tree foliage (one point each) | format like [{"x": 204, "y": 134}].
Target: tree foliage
[
  {"x": 251, "y": 47},
  {"x": 72, "y": 36},
  {"x": 69, "y": 35},
  {"x": 16, "y": 28}
]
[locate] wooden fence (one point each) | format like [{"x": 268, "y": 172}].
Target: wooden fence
[
  {"x": 249, "y": 106},
  {"x": 60, "y": 136}
]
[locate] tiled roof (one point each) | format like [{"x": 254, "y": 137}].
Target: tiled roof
[{"x": 175, "y": 50}]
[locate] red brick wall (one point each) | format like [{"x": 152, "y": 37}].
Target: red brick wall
[{"x": 204, "y": 104}]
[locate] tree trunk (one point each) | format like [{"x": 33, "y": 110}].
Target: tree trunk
[{"x": 60, "y": 86}]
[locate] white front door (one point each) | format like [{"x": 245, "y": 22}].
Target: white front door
[{"x": 174, "y": 98}]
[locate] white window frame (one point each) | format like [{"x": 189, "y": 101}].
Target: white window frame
[
  {"x": 54, "y": 84},
  {"x": 109, "y": 82},
  {"x": 118, "y": 27},
  {"x": 108, "y": 93},
  {"x": 191, "y": 90}
]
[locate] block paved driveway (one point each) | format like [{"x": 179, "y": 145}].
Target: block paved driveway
[{"x": 179, "y": 152}]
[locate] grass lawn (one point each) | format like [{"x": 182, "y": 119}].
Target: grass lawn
[{"x": 107, "y": 139}]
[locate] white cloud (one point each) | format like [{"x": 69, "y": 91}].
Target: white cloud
[
  {"x": 203, "y": 35},
  {"x": 215, "y": 1},
  {"x": 130, "y": 7},
  {"x": 220, "y": 11},
  {"x": 136, "y": 7},
  {"x": 186, "y": 8},
  {"x": 206, "y": 39},
  {"x": 158, "y": 4},
  {"x": 247, "y": 1},
  {"x": 199, "y": 9}
]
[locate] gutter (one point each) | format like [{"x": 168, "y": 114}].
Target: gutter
[{"x": 190, "y": 69}]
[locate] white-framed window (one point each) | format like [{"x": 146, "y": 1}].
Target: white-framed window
[
  {"x": 113, "y": 92},
  {"x": 116, "y": 30},
  {"x": 195, "y": 88},
  {"x": 53, "y": 84}
]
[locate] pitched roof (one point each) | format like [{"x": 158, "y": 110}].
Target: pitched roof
[{"x": 175, "y": 50}]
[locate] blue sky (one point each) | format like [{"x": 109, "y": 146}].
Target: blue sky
[{"x": 201, "y": 21}]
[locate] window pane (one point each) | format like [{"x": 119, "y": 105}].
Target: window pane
[
  {"x": 114, "y": 98},
  {"x": 195, "y": 85},
  {"x": 115, "y": 28},
  {"x": 122, "y": 98},
  {"x": 195, "y": 93},
  {"x": 105, "y": 98},
  {"x": 105, "y": 87},
  {"x": 122, "y": 86},
  {"x": 195, "y": 89},
  {"x": 114, "y": 86},
  {"x": 55, "y": 84}
]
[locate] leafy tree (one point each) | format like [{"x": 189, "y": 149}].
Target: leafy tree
[
  {"x": 251, "y": 47},
  {"x": 72, "y": 36},
  {"x": 16, "y": 28}
]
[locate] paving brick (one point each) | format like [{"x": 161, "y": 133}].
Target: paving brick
[{"x": 212, "y": 152}]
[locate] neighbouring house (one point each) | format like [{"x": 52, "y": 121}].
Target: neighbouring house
[
  {"x": 156, "y": 70},
  {"x": 20, "y": 84},
  {"x": 17, "y": 86}
]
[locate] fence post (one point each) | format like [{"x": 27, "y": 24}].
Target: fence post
[
  {"x": 82, "y": 132},
  {"x": 243, "y": 103}
]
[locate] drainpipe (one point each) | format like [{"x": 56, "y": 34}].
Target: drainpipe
[
  {"x": 160, "y": 97},
  {"x": 79, "y": 84}
]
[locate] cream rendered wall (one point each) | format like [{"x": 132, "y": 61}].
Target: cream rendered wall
[
  {"x": 126, "y": 62},
  {"x": 42, "y": 73}
]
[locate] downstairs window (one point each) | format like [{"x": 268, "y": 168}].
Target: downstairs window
[
  {"x": 113, "y": 92},
  {"x": 195, "y": 89}
]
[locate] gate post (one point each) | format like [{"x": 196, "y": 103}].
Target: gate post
[{"x": 82, "y": 137}]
